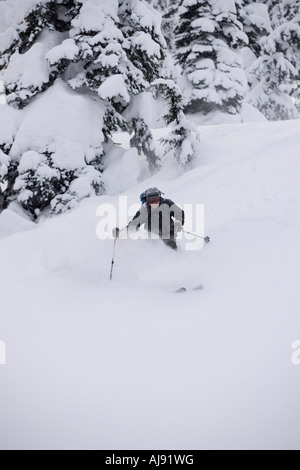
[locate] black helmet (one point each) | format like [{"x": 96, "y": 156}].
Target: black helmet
[{"x": 152, "y": 193}]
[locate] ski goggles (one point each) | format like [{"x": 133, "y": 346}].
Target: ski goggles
[{"x": 153, "y": 200}]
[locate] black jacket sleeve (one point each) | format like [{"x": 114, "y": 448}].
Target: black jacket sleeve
[
  {"x": 176, "y": 212},
  {"x": 140, "y": 218}
]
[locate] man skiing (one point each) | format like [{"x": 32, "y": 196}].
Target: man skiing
[{"x": 160, "y": 216}]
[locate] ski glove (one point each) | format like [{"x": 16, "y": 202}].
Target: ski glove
[
  {"x": 177, "y": 226},
  {"x": 116, "y": 232}
]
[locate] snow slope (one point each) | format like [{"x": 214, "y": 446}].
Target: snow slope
[{"x": 128, "y": 364}]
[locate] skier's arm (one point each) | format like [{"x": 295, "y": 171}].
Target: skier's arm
[
  {"x": 140, "y": 218},
  {"x": 179, "y": 215},
  {"x": 176, "y": 212},
  {"x": 179, "y": 220}
]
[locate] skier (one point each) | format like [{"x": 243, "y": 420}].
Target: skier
[{"x": 160, "y": 216}]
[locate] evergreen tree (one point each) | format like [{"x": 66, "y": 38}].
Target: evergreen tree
[
  {"x": 285, "y": 18},
  {"x": 106, "y": 53},
  {"x": 184, "y": 139},
  {"x": 277, "y": 69},
  {"x": 143, "y": 140},
  {"x": 2, "y": 94},
  {"x": 8, "y": 175},
  {"x": 119, "y": 60},
  {"x": 206, "y": 37},
  {"x": 183, "y": 142},
  {"x": 146, "y": 49},
  {"x": 169, "y": 13},
  {"x": 43, "y": 25},
  {"x": 170, "y": 18},
  {"x": 282, "y": 11},
  {"x": 171, "y": 94},
  {"x": 255, "y": 19},
  {"x": 159, "y": 4},
  {"x": 254, "y": 16},
  {"x": 37, "y": 171}
]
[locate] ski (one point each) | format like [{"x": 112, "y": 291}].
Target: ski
[
  {"x": 199, "y": 287},
  {"x": 182, "y": 290}
]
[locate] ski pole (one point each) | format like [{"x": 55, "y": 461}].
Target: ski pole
[
  {"x": 206, "y": 239},
  {"x": 113, "y": 260}
]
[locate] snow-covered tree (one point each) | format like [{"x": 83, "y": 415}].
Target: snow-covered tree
[
  {"x": 170, "y": 18},
  {"x": 46, "y": 157},
  {"x": 282, "y": 11},
  {"x": 275, "y": 78},
  {"x": 183, "y": 142},
  {"x": 255, "y": 18},
  {"x": 42, "y": 25},
  {"x": 141, "y": 28},
  {"x": 143, "y": 140},
  {"x": 169, "y": 13},
  {"x": 172, "y": 95},
  {"x": 2, "y": 93},
  {"x": 7, "y": 169},
  {"x": 285, "y": 20},
  {"x": 277, "y": 68},
  {"x": 85, "y": 63},
  {"x": 206, "y": 38},
  {"x": 227, "y": 14},
  {"x": 184, "y": 139},
  {"x": 159, "y": 4},
  {"x": 285, "y": 17}
]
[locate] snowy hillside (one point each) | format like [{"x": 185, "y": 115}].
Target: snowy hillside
[{"x": 129, "y": 364}]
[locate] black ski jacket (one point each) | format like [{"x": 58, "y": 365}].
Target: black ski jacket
[{"x": 160, "y": 220}]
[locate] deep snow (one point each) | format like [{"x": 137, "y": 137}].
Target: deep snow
[{"x": 128, "y": 364}]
